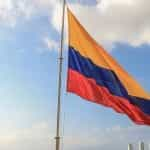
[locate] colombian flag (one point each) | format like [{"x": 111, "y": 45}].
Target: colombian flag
[{"x": 95, "y": 76}]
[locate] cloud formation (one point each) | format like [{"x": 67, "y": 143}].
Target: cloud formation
[
  {"x": 50, "y": 44},
  {"x": 12, "y": 10},
  {"x": 108, "y": 21},
  {"x": 40, "y": 136},
  {"x": 112, "y": 21}
]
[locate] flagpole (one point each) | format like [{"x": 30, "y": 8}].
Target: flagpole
[{"x": 60, "y": 79}]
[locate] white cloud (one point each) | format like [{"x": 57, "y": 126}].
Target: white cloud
[
  {"x": 6, "y": 8},
  {"x": 109, "y": 21},
  {"x": 50, "y": 44},
  {"x": 57, "y": 17},
  {"x": 112, "y": 21},
  {"x": 11, "y": 11}
]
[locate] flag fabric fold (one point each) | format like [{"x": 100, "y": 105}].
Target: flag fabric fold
[{"x": 96, "y": 76}]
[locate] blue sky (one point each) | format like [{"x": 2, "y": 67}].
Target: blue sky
[{"x": 29, "y": 45}]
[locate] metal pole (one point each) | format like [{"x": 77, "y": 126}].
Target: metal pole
[
  {"x": 141, "y": 146},
  {"x": 60, "y": 80},
  {"x": 129, "y": 146}
]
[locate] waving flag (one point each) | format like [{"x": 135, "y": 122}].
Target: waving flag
[{"x": 95, "y": 76}]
